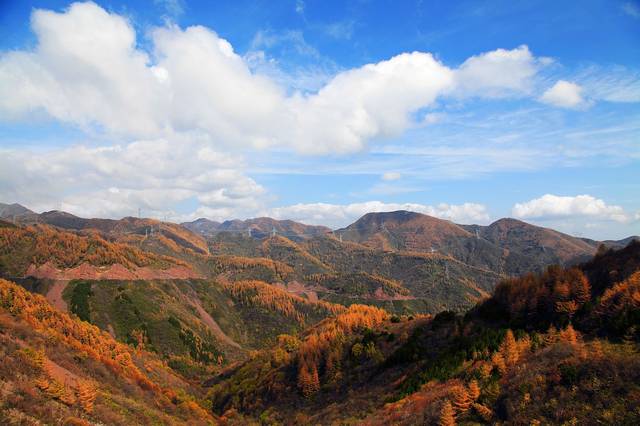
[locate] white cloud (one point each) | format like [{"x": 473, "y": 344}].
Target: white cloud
[
  {"x": 88, "y": 70},
  {"x": 564, "y": 94},
  {"x": 114, "y": 181},
  {"x": 190, "y": 92},
  {"x": 338, "y": 215},
  {"x": 389, "y": 176},
  {"x": 551, "y": 206},
  {"x": 498, "y": 73}
]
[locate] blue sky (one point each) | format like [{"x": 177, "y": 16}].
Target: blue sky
[{"x": 322, "y": 111}]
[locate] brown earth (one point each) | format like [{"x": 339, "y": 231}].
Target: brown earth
[
  {"x": 379, "y": 294},
  {"x": 54, "y": 295},
  {"x": 213, "y": 325},
  {"x": 112, "y": 272}
]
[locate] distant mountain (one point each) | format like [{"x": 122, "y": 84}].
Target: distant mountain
[
  {"x": 507, "y": 246},
  {"x": 15, "y": 210},
  {"x": 202, "y": 226},
  {"x": 403, "y": 230},
  {"x": 258, "y": 227}
]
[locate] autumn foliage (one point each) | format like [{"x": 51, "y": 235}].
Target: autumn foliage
[
  {"x": 553, "y": 297},
  {"x": 322, "y": 348},
  {"x": 40, "y": 244},
  {"x": 258, "y": 293}
]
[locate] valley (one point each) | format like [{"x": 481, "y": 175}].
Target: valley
[{"x": 364, "y": 324}]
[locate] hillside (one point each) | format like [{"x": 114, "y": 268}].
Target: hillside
[
  {"x": 58, "y": 370},
  {"x": 41, "y": 249},
  {"x": 568, "y": 356},
  {"x": 196, "y": 325},
  {"x": 328, "y": 269}
]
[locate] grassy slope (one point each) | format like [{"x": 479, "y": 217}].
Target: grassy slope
[{"x": 165, "y": 311}]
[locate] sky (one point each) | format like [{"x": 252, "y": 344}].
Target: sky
[{"x": 322, "y": 111}]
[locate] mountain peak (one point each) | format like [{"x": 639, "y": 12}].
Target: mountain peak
[{"x": 14, "y": 209}]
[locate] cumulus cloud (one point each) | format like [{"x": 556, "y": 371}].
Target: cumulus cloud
[
  {"x": 551, "y": 206},
  {"x": 88, "y": 69},
  {"x": 337, "y": 215},
  {"x": 498, "y": 73},
  {"x": 114, "y": 181},
  {"x": 564, "y": 94},
  {"x": 184, "y": 91}
]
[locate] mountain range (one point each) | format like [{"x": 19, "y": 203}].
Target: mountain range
[
  {"x": 403, "y": 261},
  {"x": 266, "y": 321}
]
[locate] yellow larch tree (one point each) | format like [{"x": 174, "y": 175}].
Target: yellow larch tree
[{"x": 447, "y": 415}]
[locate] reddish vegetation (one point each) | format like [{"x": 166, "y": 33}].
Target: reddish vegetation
[
  {"x": 262, "y": 294},
  {"x": 510, "y": 231},
  {"x": 322, "y": 348},
  {"x": 380, "y": 294},
  {"x": 27, "y": 318},
  {"x": 416, "y": 232},
  {"x": 113, "y": 272},
  {"x": 38, "y": 313},
  {"x": 79, "y": 255},
  {"x": 299, "y": 289}
]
